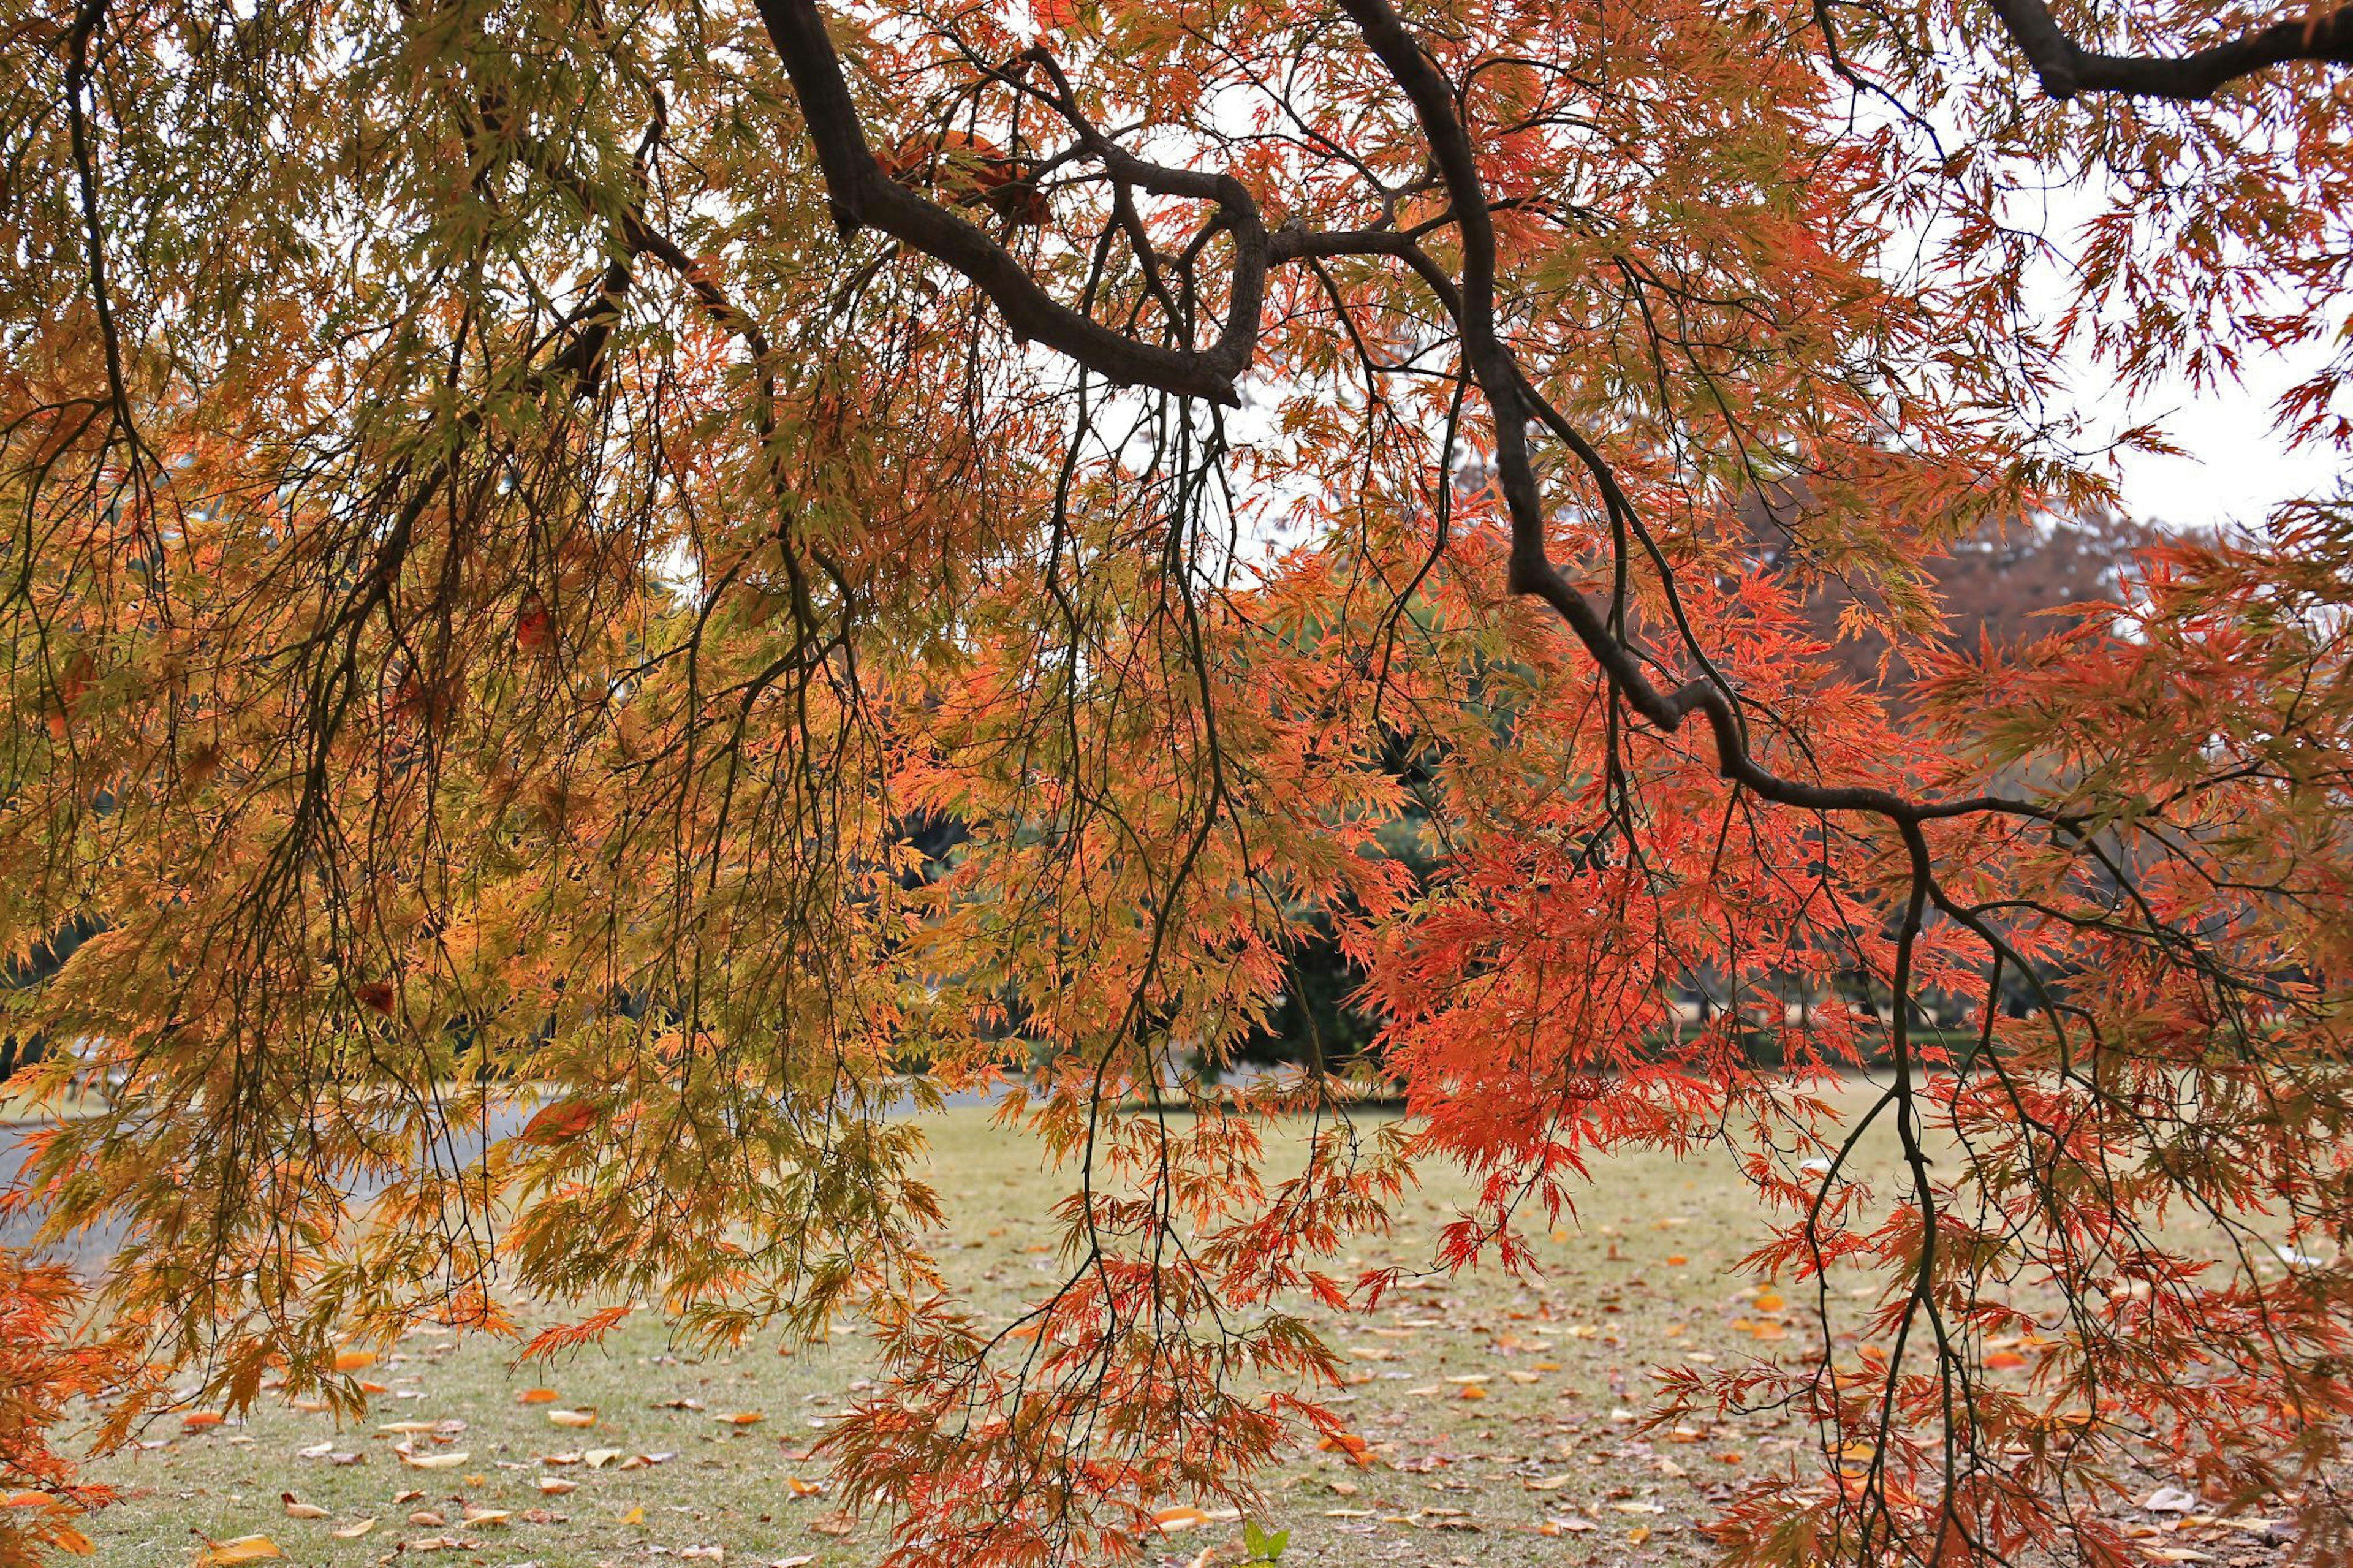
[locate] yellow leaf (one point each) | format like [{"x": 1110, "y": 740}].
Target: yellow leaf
[
  {"x": 1169, "y": 1520},
  {"x": 295, "y": 1510},
  {"x": 635, "y": 1516},
  {"x": 436, "y": 1461},
  {"x": 800, "y": 1487},
  {"x": 66, "y": 1538},
  {"x": 1768, "y": 1301},
  {"x": 486, "y": 1515},
  {"x": 741, "y": 1419},
  {"x": 355, "y": 1361},
  {"x": 556, "y": 1486},
  {"x": 355, "y": 1530},
  {"x": 244, "y": 1548},
  {"x": 572, "y": 1418}
]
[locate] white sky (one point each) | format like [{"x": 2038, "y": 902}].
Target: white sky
[{"x": 2240, "y": 467}]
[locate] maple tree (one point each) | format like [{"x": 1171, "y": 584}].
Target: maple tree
[{"x": 519, "y": 514}]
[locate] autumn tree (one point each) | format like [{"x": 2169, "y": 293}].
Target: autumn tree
[{"x": 513, "y": 508}]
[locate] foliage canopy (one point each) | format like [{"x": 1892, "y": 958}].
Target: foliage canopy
[{"x": 519, "y": 510}]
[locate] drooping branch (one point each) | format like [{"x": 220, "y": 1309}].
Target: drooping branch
[
  {"x": 1510, "y": 396},
  {"x": 2066, "y": 68}
]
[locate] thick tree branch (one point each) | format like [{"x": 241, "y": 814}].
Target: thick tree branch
[
  {"x": 1531, "y": 571},
  {"x": 2066, "y": 68},
  {"x": 863, "y": 195}
]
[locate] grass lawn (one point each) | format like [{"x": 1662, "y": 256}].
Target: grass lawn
[{"x": 1559, "y": 1365}]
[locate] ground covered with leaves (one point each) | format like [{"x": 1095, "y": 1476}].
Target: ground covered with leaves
[{"x": 1502, "y": 1421}]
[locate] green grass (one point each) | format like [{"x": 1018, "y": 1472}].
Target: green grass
[{"x": 1643, "y": 1278}]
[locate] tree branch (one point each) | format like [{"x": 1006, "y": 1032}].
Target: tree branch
[
  {"x": 864, "y": 196},
  {"x": 2066, "y": 68}
]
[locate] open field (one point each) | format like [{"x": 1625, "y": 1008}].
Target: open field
[{"x": 1495, "y": 1406}]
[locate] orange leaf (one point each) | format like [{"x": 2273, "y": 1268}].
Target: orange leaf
[
  {"x": 555, "y": 1123},
  {"x": 1359, "y": 1452}
]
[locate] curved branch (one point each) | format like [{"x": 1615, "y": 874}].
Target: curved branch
[
  {"x": 863, "y": 197},
  {"x": 2065, "y": 67},
  {"x": 1531, "y": 571}
]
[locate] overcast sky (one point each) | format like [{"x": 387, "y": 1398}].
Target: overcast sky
[{"x": 2240, "y": 471}]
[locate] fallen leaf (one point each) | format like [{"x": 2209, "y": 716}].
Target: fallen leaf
[
  {"x": 355, "y": 1361},
  {"x": 575, "y": 1418},
  {"x": 634, "y": 1516},
  {"x": 428, "y": 1518},
  {"x": 355, "y": 1530},
  {"x": 2002, "y": 1361},
  {"x": 295, "y": 1510},
  {"x": 197, "y": 1420},
  {"x": 1358, "y": 1451},
  {"x": 1638, "y": 1534},
  {"x": 1472, "y": 1391},
  {"x": 556, "y": 1486},
  {"x": 741, "y": 1419},
  {"x": 1550, "y": 1483},
  {"x": 704, "y": 1554},
  {"x": 536, "y": 1397},
  {"x": 399, "y": 1498},
  {"x": 244, "y": 1548},
  {"x": 450, "y": 1461},
  {"x": 486, "y": 1515},
  {"x": 1768, "y": 1301},
  {"x": 834, "y": 1524},
  {"x": 597, "y": 1459},
  {"x": 800, "y": 1487}
]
